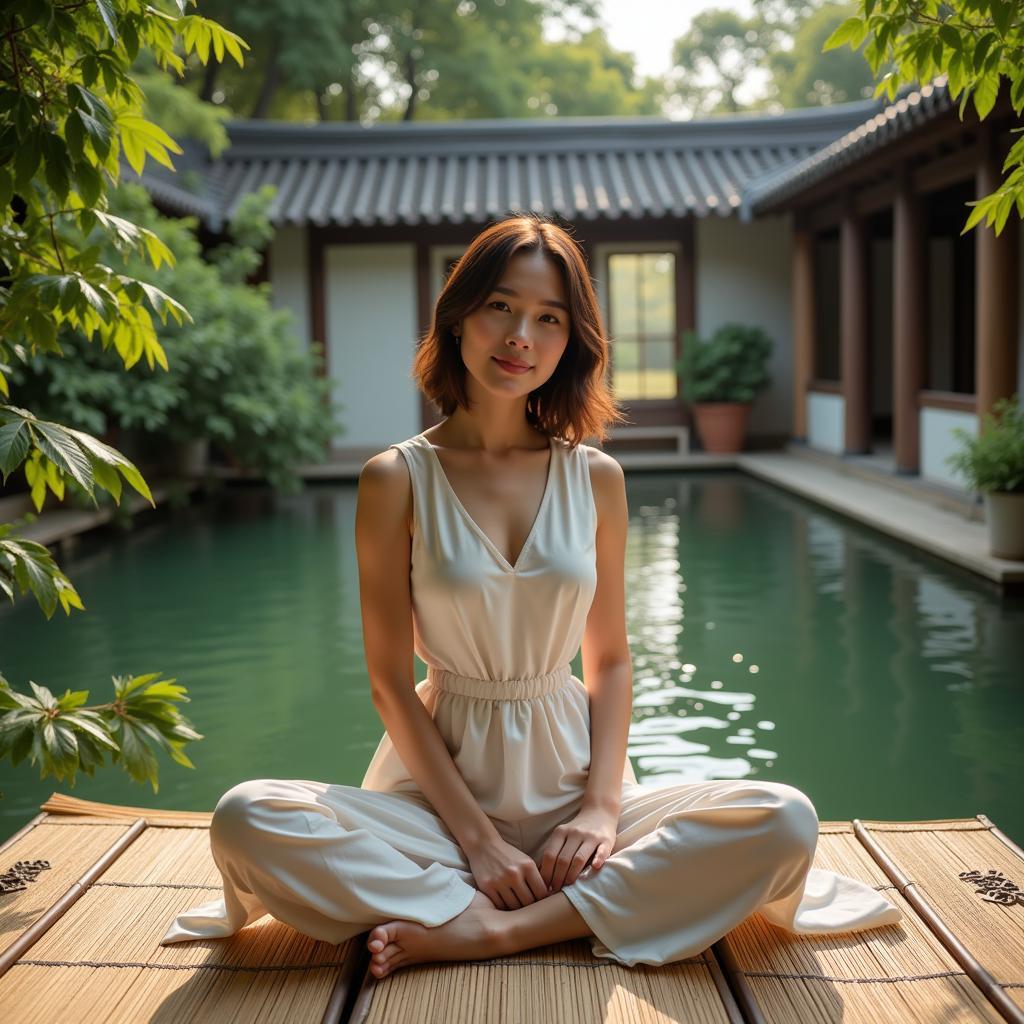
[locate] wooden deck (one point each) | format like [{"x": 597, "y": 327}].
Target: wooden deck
[{"x": 80, "y": 942}]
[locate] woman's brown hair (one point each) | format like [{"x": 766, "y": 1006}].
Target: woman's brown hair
[{"x": 575, "y": 402}]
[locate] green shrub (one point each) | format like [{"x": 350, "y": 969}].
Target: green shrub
[
  {"x": 730, "y": 366},
  {"x": 237, "y": 374},
  {"x": 994, "y": 459}
]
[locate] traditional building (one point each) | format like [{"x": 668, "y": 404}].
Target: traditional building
[
  {"x": 836, "y": 229},
  {"x": 902, "y": 327}
]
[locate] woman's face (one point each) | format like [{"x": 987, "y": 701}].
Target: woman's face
[{"x": 524, "y": 320}]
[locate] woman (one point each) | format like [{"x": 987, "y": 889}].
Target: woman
[{"x": 500, "y": 811}]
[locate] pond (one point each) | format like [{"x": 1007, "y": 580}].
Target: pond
[{"x": 770, "y": 639}]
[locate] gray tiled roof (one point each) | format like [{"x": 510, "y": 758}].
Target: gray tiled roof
[
  {"x": 473, "y": 171},
  {"x": 909, "y": 110}
]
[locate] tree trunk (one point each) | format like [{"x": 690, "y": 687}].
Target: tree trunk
[
  {"x": 351, "y": 96},
  {"x": 321, "y": 104},
  {"x": 410, "y": 77},
  {"x": 209, "y": 81},
  {"x": 271, "y": 80}
]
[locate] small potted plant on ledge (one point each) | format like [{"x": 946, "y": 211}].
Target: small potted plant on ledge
[
  {"x": 721, "y": 377},
  {"x": 992, "y": 462}
]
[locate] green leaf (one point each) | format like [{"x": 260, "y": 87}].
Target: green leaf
[
  {"x": 92, "y": 728},
  {"x": 108, "y": 16},
  {"x": 951, "y": 37},
  {"x": 59, "y": 446},
  {"x": 44, "y": 696},
  {"x": 852, "y": 31},
  {"x": 982, "y": 48},
  {"x": 986, "y": 91},
  {"x": 32, "y": 573},
  {"x": 26, "y": 160},
  {"x": 112, "y": 457},
  {"x": 14, "y": 446},
  {"x": 57, "y": 165},
  {"x": 1002, "y": 12},
  {"x": 89, "y": 182},
  {"x": 139, "y": 137}
]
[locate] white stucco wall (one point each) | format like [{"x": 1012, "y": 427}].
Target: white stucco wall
[
  {"x": 288, "y": 272},
  {"x": 370, "y": 295},
  {"x": 743, "y": 275},
  {"x": 937, "y": 442},
  {"x": 825, "y": 415}
]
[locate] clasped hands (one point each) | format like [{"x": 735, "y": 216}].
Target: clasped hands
[{"x": 511, "y": 879}]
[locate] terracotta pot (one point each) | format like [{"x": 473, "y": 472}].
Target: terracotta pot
[
  {"x": 1004, "y": 513},
  {"x": 722, "y": 426}
]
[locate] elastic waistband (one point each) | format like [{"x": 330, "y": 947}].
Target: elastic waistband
[{"x": 499, "y": 689}]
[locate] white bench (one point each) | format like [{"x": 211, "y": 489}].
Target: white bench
[{"x": 676, "y": 431}]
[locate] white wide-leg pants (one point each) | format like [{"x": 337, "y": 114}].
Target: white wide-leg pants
[{"x": 690, "y": 862}]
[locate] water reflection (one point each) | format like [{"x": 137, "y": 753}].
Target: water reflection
[{"x": 775, "y": 639}]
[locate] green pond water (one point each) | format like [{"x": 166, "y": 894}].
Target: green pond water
[{"x": 770, "y": 638}]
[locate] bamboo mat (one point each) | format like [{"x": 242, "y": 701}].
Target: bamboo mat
[
  {"x": 986, "y": 936},
  {"x": 897, "y": 973},
  {"x": 81, "y": 942}
]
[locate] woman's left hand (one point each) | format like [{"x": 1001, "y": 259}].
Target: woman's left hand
[{"x": 571, "y": 845}]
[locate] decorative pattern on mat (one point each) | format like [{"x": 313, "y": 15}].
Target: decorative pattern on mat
[
  {"x": 15, "y": 879},
  {"x": 994, "y": 887}
]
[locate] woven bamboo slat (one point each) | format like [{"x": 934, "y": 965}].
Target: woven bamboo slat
[
  {"x": 83, "y": 943},
  {"x": 562, "y": 982},
  {"x": 897, "y": 973}
]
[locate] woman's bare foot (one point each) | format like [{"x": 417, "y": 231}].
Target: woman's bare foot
[{"x": 471, "y": 935}]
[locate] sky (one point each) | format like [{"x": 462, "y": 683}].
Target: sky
[{"x": 648, "y": 28}]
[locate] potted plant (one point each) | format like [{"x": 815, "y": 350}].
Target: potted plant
[
  {"x": 992, "y": 462},
  {"x": 721, "y": 376}
]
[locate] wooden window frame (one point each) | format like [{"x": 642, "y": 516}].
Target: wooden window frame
[{"x": 602, "y": 253}]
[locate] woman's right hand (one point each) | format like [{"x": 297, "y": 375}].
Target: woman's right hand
[{"x": 509, "y": 878}]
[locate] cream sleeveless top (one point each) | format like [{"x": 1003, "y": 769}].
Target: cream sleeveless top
[{"x": 475, "y": 614}]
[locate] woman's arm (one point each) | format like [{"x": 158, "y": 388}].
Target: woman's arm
[
  {"x": 607, "y": 669},
  {"x": 383, "y": 549}
]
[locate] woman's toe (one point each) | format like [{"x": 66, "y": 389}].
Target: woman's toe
[
  {"x": 380, "y": 935},
  {"x": 394, "y": 963},
  {"x": 384, "y": 955}
]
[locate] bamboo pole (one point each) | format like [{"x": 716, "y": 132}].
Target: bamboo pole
[{"x": 738, "y": 981}]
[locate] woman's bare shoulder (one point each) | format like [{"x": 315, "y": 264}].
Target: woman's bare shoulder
[
  {"x": 385, "y": 469},
  {"x": 603, "y": 467},
  {"x": 607, "y": 481},
  {"x": 385, "y": 483}
]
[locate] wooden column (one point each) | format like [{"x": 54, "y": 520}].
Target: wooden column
[
  {"x": 996, "y": 300},
  {"x": 803, "y": 326},
  {"x": 317, "y": 294},
  {"x": 854, "y": 303},
  {"x": 909, "y": 321}
]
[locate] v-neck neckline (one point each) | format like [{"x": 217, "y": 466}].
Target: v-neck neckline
[{"x": 491, "y": 546}]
